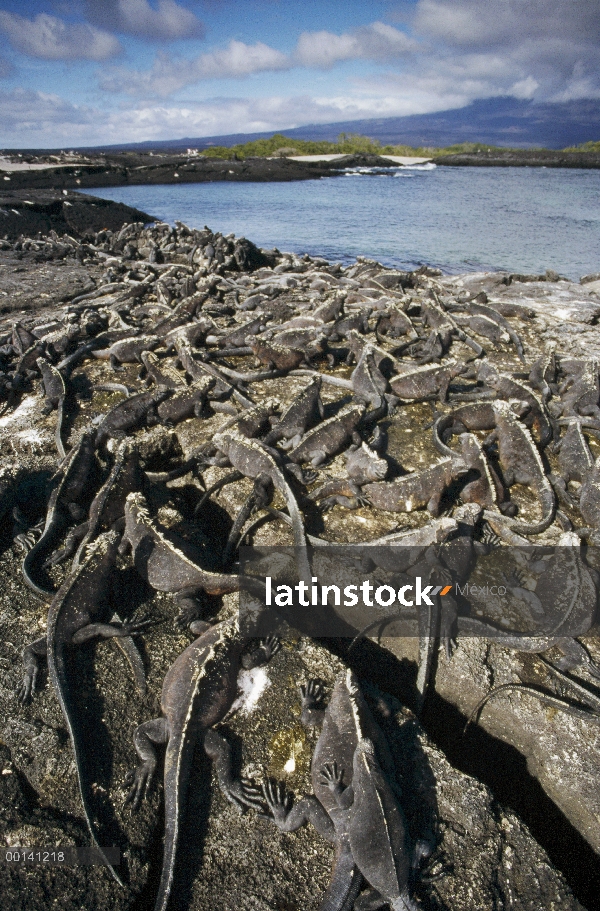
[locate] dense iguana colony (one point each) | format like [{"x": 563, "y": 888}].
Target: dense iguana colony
[{"x": 425, "y": 410}]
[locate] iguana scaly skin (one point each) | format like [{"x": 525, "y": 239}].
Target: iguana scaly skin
[
  {"x": 198, "y": 691},
  {"x": 167, "y": 562},
  {"x": 416, "y": 490},
  {"x": 521, "y": 464},
  {"x": 79, "y": 612},
  {"x": 252, "y": 459},
  {"x": 355, "y": 803}
]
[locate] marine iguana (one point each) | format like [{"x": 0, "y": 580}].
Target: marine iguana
[
  {"x": 186, "y": 402},
  {"x": 78, "y": 613},
  {"x": 304, "y": 412},
  {"x": 198, "y": 691},
  {"x": 277, "y": 357},
  {"x": 253, "y": 458},
  {"x": 128, "y": 350},
  {"x": 355, "y": 803},
  {"x": 56, "y": 393},
  {"x": 160, "y": 375},
  {"x": 108, "y": 506},
  {"x": 521, "y": 464},
  {"x": 508, "y": 388},
  {"x": 418, "y": 489},
  {"x": 368, "y": 382},
  {"x": 132, "y": 413},
  {"x": 237, "y": 336},
  {"x": 486, "y": 489},
  {"x": 575, "y": 461},
  {"x": 329, "y": 437},
  {"x": 569, "y": 586},
  {"x": 580, "y": 392},
  {"x": 428, "y": 381},
  {"x": 169, "y": 563},
  {"x": 70, "y": 486}
]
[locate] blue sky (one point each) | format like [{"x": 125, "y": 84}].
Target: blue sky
[{"x": 79, "y": 72}]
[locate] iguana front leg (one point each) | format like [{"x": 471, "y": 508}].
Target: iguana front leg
[
  {"x": 290, "y": 818},
  {"x": 313, "y": 711},
  {"x": 72, "y": 542},
  {"x": 263, "y": 652},
  {"x": 190, "y": 602},
  {"x": 332, "y": 776},
  {"x": 108, "y": 631}
]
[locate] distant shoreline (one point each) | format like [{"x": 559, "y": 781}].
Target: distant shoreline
[{"x": 135, "y": 169}]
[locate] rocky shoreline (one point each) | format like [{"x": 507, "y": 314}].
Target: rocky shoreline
[
  {"x": 135, "y": 168},
  {"x": 513, "y": 806},
  {"x": 26, "y": 213},
  {"x": 522, "y": 158}
]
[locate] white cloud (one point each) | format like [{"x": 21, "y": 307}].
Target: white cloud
[
  {"x": 169, "y": 21},
  {"x": 167, "y": 75},
  {"x": 32, "y": 118},
  {"x": 322, "y": 50},
  {"x": 35, "y": 119},
  {"x": 52, "y": 39},
  {"x": 524, "y": 88},
  {"x": 377, "y": 41},
  {"x": 469, "y": 22}
]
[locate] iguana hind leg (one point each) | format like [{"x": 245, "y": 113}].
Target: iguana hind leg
[
  {"x": 31, "y": 666},
  {"x": 242, "y": 792},
  {"x": 145, "y": 737}
]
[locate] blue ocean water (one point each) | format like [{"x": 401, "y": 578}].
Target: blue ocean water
[{"x": 459, "y": 219}]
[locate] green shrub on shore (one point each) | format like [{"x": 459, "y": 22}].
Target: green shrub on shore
[
  {"x": 354, "y": 144},
  {"x": 593, "y": 147},
  {"x": 346, "y": 144}
]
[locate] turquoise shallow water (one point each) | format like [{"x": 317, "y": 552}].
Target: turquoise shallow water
[{"x": 460, "y": 219}]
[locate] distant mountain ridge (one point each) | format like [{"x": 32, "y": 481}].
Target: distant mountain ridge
[{"x": 502, "y": 121}]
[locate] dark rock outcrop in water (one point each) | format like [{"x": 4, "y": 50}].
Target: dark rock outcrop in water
[
  {"x": 130, "y": 169},
  {"x": 87, "y": 327},
  {"x": 26, "y": 214},
  {"x": 140, "y": 169},
  {"x": 522, "y": 158}
]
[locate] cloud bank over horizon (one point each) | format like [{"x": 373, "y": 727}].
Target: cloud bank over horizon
[{"x": 91, "y": 72}]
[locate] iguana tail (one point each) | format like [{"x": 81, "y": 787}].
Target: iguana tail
[
  {"x": 59, "y": 423},
  {"x": 178, "y": 760},
  {"x": 346, "y": 881},
  {"x": 547, "y": 501},
  {"x": 304, "y": 569},
  {"x": 58, "y": 677}
]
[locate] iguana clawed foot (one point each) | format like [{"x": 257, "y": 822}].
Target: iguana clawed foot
[
  {"x": 27, "y": 688},
  {"x": 263, "y": 652},
  {"x": 312, "y": 693},
  {"x": 332, "y": 777},
  {"x": 278, "y": 800},
  {"x": 246, "y": 795},
  {"x": 139, "y": 781}
]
